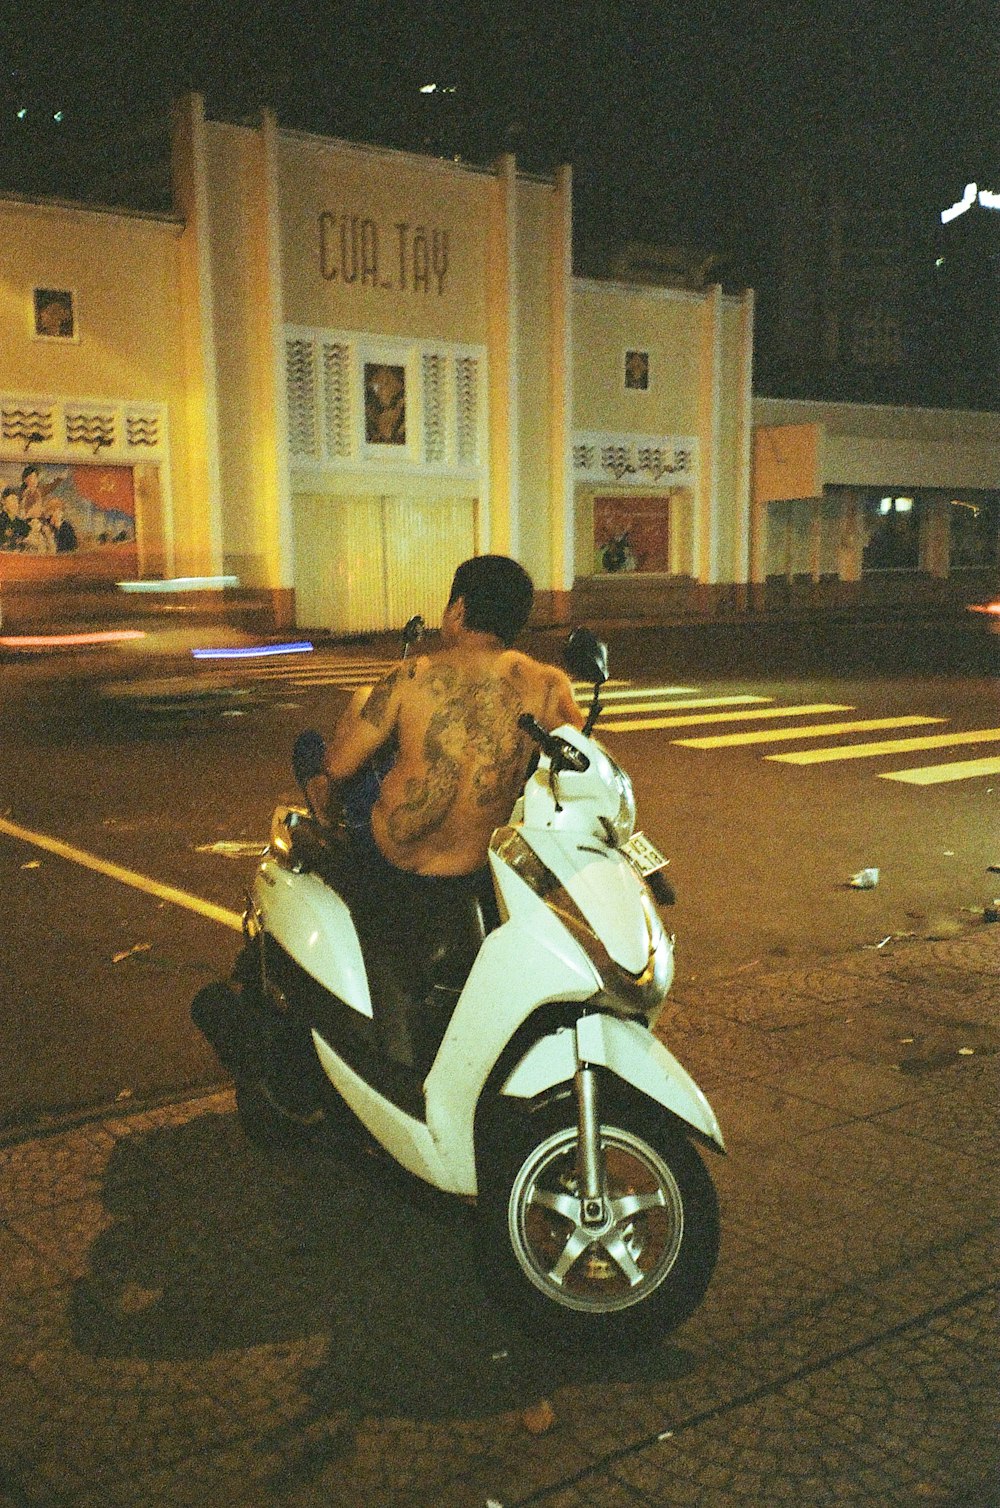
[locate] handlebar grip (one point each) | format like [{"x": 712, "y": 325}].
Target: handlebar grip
[
  {"x": 534, "y": 729},
  {"x": 563, "y": 755}
]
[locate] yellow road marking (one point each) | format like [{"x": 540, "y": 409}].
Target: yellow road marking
[
  {"x": 651, "y": 704},
  {"x": 641, "y": 691},
  {"x": 810, "y": 710},
  {"x": 124, "y": 876},
  {"x": 931, "y": 774},
  {"x": 818, "y": 730},
  {"x": 891, "y": 746}
]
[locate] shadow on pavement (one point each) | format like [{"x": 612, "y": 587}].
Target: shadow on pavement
[{"x": 217, "y": 1245}]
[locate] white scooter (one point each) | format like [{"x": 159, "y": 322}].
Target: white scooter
[{"x": 516, "y": 1062}]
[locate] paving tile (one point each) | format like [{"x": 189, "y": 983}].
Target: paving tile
[
  {"x": 187, "y": 1319},
  {"x": 845, "y": 1084},
  {"x": 52, "y": 1169},
  {"x": 887, "y": 1427},
  {"x": 954, "y": 1120}
]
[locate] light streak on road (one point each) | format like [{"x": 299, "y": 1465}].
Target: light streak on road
[
  {"x": 124, "y": 876},
  {"x": 180, "y": 584},
  {"x": 70, "y": 641},
  {"x": 252, "y": 651}
]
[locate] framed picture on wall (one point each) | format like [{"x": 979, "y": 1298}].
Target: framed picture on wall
[
  {"x": 54, "y": 314},
  {"x": 385, "y": 404},
  {"x": 637, "y": 370}
]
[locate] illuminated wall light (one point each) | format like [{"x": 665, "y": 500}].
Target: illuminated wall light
[
  {"x": 973, "y": 194},
  {"x": 885, "y": 506},
  {"x": 903, "y": 504},
  {"x": 22, "y": 113},
  {"x": 428, "y": 88}
]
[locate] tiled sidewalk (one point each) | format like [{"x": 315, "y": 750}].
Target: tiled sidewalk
[{"x": 188, "y": 1320}]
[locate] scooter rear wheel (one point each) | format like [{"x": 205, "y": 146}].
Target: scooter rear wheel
[{"x": 645, "y": 1268}]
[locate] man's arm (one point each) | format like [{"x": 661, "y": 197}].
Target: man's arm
[
  {"x": 560, "y": 703},
  {"x": 363, "y": 728},
  {"x": 366, "y": 723}
]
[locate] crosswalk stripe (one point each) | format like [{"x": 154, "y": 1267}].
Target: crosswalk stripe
[
  {"x": 654, "y": 723},
  {"x": 933, "y": 774},
  {"x": 818, "y": 730},
  {"x": 316, "y": 670},
  {"x": 332, "y": 680},
  {"x": 684, "y": 705},
  {"x": 890, "y": 746},
  {"x": 653, "y": 704},
  {"x": 643, "y": 691}
]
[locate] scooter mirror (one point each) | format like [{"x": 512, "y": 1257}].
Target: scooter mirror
[{"x": 586, "y": 657}]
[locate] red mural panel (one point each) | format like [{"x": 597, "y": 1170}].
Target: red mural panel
[
  {"x": 57, "y": 520},
  {"x": 631, "y": 533}
]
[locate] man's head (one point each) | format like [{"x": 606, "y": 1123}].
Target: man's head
[{"x": 496, "y": 594}]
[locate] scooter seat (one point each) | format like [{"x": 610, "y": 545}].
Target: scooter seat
[{"x": 418, "y": 940}]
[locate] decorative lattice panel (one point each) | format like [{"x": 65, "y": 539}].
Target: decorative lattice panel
[
  {"x": 90, "y": 429},
  {"x": 467, "y": 410},
  {"x": 23, "y": 425},
  {"x": 435, "y": 415},
  {"x": 337, "y": 398},
  {"x": 143, "y": 428},
  {"x": 300, "y": 371}
]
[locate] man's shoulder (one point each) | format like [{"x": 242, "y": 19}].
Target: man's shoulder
[{"x": 525, "y": 664}]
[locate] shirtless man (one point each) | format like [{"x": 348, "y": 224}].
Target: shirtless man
[{"x": 462, "y": 758}]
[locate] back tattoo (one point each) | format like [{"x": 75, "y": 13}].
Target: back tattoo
[{"x": 472, "y": 732}]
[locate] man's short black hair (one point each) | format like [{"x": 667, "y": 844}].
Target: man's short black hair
[{"x": 498, "y": 594}]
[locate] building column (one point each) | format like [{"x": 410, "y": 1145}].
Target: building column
[
  {"x": 743, "y": 524},
  {"x": 275, "y": 468},
  {"x": 197, "y": 519},
  {"x": 706, "y": 520},
  {"x": 501, "y": 532},
  {"x": 561, "y": 514}
]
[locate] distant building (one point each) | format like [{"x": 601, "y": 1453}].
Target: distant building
[
  {"x": 334, "y": 370},
  {"x": 877, "y": 302}
]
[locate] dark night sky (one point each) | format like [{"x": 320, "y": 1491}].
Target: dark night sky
[{"x": 680, "y": 120}]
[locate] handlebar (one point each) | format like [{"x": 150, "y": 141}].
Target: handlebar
[{"x": 564, "y": 755}]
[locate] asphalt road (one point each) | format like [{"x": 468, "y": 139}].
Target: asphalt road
[{"x": 145, "y": 762}]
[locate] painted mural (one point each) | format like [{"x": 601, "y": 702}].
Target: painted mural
[
  {"x": 631, "y": 533},
  {"x": 51, "y": 510}
]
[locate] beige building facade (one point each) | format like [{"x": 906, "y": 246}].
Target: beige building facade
[{"x": 337, "y": 370}]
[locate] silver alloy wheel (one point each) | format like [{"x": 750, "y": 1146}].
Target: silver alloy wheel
[{"x": 596, "y": 1269}]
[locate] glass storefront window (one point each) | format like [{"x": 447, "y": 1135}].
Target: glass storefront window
[
  {"x": 892, "y": 532},
  {"x": 974, "y": 531}
]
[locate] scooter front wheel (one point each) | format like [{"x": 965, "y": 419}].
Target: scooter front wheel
[{"x": 644, "y": 1266}]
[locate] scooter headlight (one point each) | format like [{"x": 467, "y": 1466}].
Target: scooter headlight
[{"x": 623, "y": 824}]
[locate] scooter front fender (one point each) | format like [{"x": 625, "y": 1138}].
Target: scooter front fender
[{"x": 626, "y": 1049}]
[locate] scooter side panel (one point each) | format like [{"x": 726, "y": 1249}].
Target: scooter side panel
[
  {"x": 627, "y": 1050},
  {"x": 314, "y": 926},
  {"x": 524, "y": 964},
  {"x": 407, "y": 1140}
]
